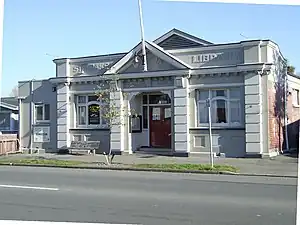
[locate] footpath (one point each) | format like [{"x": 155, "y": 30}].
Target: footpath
[{"x": 280, "y": 166}]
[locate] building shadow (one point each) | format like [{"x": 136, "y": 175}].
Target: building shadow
[{"x": 293, "y": 139}]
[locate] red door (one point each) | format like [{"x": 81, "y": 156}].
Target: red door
[{"x": 160, "y": 126}]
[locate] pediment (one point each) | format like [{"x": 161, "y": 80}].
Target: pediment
[
  {"x": 157, "y": 60},
  {"x": 154, "y": 63}
]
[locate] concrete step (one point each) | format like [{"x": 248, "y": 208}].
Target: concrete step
[
  {"x": 79, "y": 152},
  {"x": 155, "y": 151}
]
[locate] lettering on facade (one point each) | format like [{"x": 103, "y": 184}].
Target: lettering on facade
[
  {"x": 77, "y": 69},
  {"x": 219, "y": 56},
  {"x": 148, "y": 82}
]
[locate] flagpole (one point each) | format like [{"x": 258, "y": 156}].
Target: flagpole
[
  {"x": 1, "y": 43},
  {"x": 143, "y": 37}
]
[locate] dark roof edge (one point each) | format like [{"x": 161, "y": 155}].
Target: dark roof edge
[{"x": 92, "y": 56}]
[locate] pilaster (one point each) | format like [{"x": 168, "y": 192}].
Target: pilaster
[
  {"x": 63, "y": 111},
  {"x": 181, "y": 113},
  {"x": 253, "y": 114}
]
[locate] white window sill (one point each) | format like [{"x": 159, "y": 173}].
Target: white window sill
[
  {"x": 91, "y": 127},
  {"x": 218, "y": 126},
  {"x": 42, "y": 121},
  {"x": 296, "y": 106}
]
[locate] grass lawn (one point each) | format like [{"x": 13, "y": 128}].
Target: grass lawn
[
  {"x": 162, "y": 167},
  {"x": 183, "y": 167}
]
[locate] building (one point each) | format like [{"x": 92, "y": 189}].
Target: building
[
  {"x": 9, "y": 111},
  {"x": 169, "y": 99}
]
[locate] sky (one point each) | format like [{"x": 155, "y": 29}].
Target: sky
[{"x": 37, "y": 31}]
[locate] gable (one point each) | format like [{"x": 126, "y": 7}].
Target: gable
[
  {"x": 177, "y": 42},
  {"x": 176, "y": 39},
  {"x": 157, "y": 60}
]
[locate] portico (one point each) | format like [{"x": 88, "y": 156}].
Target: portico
[{"x": 152, "y": 121}]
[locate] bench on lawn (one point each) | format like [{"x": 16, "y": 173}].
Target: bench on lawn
[
  {"x": 87, "y": 147},
  {"x": 84, "y": 147}
]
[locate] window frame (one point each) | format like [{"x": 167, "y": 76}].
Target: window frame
[
  {"x": 86, "y": 105},
  {"x": 42, "y": 105},
  {"x": 228, "y": 100}
]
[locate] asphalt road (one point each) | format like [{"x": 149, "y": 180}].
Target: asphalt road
[{"x": 144, "y": 198}]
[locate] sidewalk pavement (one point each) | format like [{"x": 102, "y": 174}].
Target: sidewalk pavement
[{"x": 283, "y": 165}]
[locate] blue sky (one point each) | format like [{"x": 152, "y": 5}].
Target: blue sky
[{"x": 36, "y": 31}]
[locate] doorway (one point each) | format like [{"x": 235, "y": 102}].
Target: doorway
[
  {"x": 160, "y": 126},
  {"x": 159, "y": 117}
]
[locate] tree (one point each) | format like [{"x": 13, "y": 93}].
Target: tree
[
  {"x": 14, "y": 92},
  {"x": 111, "y": 111},
  {"x": 281, "y": 93},
  {"x": 291, "y": 69}
]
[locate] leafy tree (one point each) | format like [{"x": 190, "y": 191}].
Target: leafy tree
[
  {"x": 291, "y": 69},
  {"x": 111, "y": 111}
]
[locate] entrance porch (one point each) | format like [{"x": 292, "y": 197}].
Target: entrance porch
[
  {"x": 155, "y": 120},
  {"x": 151, "y": 127}
]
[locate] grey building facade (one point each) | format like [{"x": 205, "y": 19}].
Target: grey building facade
[{"x": 169, "y": 100}]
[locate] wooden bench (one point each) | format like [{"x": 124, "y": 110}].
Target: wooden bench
[
  {"x": 84, "y": 147},
  {"x": 87, "y": 147}
]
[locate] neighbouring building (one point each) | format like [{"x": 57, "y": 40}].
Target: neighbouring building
[
  {"x": 9, "y": 115},
  {"x": 170, "y": 99}
]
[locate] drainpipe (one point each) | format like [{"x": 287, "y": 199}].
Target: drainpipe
[
  {"x": 20, "y": 124},
  {"x": 285, "y": 109},
  {"x": 31, "y": 116}
]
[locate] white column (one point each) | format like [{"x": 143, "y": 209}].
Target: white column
[
  {"x": 131, "y": 102},
  {"x": 116, "y": 128}
]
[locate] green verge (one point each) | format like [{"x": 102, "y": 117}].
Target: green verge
[
  {"x": 52, "y": 162},
  {"x": 162, "y": 167},
  {"x": 188, "y": 167}
]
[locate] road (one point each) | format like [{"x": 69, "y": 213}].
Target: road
[{"x": 144, "y": 198}]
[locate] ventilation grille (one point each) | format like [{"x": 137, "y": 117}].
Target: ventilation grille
[{"x": 177, "y": 42}]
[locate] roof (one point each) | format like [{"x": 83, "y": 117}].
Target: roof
[
  {"x": 185, "y": 37},
  {"x": 191, "y": 39},
  {"x": 9, "y": 103},
  {"x": 92, "y": 56}
]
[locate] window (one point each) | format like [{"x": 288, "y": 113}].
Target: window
[
  {"x": 42, "y": 112},
  {"x": 296, "y": 100},
  {"x": 154, "y": 99},
  {"x": 145, "y": 117},
  {"x": 90, "y": 111},
  {"x": 225, "y": 106},
  {"x": 159, "y": 99}
]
